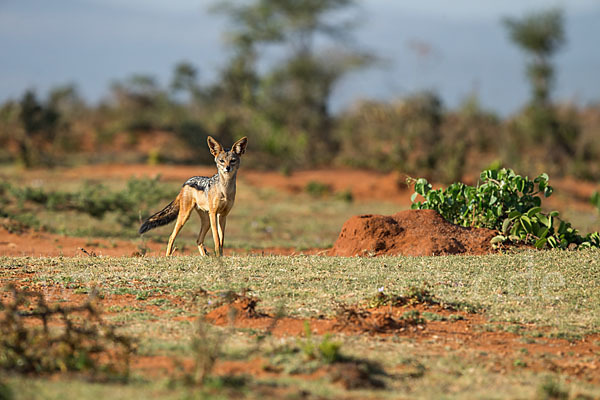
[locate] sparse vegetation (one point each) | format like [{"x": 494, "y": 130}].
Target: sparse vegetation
[
  {"x": 327, "y": 350},
  {"x": 538, "y": 296},
  {"x": 94, "y": 199},
  {"x": 524, "y": 322},
  {"x": 70, "y": 338},
  {"x": 285, "y": 109},
  {"x": 595, "y": 200}
]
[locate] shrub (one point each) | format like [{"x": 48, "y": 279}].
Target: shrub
[
  {"x": 94, "y": 199},
  {"x": 317, "y": 189},
  {"x": 507, "y": 202},
  {"x": 78, "y": 340},
  {"x": 327, "y": 351},
  {"x": 595, "y": 200}
]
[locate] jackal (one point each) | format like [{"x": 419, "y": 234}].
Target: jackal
[{"x": 211, "y": 197}]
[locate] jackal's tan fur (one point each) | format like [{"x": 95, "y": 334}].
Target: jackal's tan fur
[{"x": 212, "y": 198}]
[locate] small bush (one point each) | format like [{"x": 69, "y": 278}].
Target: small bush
[
  {"x": 326, "y": 351},
  {"x": 139, "y": 197},
  {"x": 595, "y": 200},
  {"x": 6, "y": 392},
  {"x": 317, "y": 189},
  {"x": 67, "y": 338},
  {"x": 414, "y": 295},
  {"x": 550, "y": 389},
  {"x": 507, "y": 202}
]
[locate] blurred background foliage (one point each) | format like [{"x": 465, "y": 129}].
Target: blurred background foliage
[{"x": 284, "y": 108}]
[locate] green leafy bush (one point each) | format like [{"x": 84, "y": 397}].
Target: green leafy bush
[
  {"x": 507, "y": 202},
  {"x": 595, "y": 200},
  {"x": 317, "y": 189},
  {"x": 327, "y": 351},
  {"x": 140, "y": 196},
  {"x": 79, "y": 340}
]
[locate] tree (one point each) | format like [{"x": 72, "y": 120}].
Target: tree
[
  {"x": 250, "y": 27},
  {"x": 37, "y": 127},
  {"x": 295, "y": 92},
  {"x": 141, "y": 104},
  {"x": 185, "y": 80},
  {"x": 137, "y": 91},
  {"x": 540, "y": 35}
]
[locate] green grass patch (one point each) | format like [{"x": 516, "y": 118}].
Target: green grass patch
[{"x": 556, "y": 291}]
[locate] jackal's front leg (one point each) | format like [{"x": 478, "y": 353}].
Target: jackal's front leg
[
  {"x": 222, "y": 219},
  {"x": 215, "y": 231}
]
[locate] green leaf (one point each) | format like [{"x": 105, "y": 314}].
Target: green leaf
[
  {"x": 595, "y": 200},
  {"x": 562, "y": 227},
  {"x": 540, "y": 243},
  {"x": 413, "y": 197},
  {"x": 536, "y": 228},
  {"x": 514, "y": 214},
  {"x": 498, "y": 239},
  {"x": 422, "y": 186},
  {"x": 526, "y": 223},
  {"x": 533, "y": 211},
  {"x": 506, "y": 225},
  {"x": 515, "y": 229},
  {"x": 543, "y": 219}
]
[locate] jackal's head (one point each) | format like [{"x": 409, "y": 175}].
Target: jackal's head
[{"x": 227, "y": 160}]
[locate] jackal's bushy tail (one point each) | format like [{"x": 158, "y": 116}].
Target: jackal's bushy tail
[{"x": 163, "y": 217}]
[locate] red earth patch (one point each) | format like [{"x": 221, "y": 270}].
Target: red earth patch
[{"x": 409, "y": 233}]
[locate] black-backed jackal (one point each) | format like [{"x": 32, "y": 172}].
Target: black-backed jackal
[{"x": 211, "y": 197}]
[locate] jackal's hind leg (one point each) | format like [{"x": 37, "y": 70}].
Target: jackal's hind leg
[
  {"x": 204, "y": 227},
  {"x": 182, "y": 217}
]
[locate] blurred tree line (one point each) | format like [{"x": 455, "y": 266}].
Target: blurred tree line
[{"x": 284, "y": 108}]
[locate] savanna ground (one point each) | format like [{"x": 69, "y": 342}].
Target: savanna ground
[{"x": 518, "y": 325}]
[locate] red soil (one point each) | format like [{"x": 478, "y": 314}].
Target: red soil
[
  {"x": 364, "y": 185},
  {"x": 437, "y": 236},
  {"x": 410, "y": 233},
  {"x": 44, "y": 244},
  {"x": 458, "y": 331},
  {"x": 384, "y": 321}
]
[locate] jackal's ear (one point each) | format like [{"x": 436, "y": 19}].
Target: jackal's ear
[
  {"x": 214, "y": 146},
  {"x": 239, "y": 147}
]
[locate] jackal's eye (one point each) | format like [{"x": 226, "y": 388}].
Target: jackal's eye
[{"x": 222, "y": 161}]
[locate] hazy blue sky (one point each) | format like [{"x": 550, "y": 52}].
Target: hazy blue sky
[{"x": 454, "y": 47}]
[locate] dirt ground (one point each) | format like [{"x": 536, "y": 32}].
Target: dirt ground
[
  {"x": 364, "y": 186},
  {"x": 410, "y": 233},
  {"x": 44, "y": 244},
  {"x": 456, "y": 331},
  {"x": 459, "y": 330}
]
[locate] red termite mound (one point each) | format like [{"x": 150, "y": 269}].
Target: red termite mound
[{"x": 409, "y": 233}]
